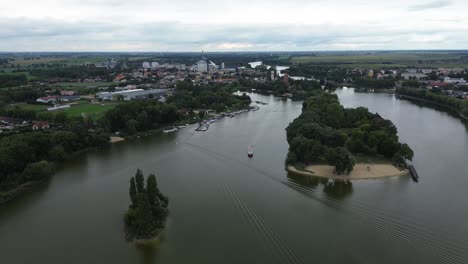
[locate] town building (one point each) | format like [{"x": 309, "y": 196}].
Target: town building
[
  {"x": 47, "y": 99},
  {"x": 131, "y": 94},
  {"x": 67, "y": 93},
  {"x": 411, "y": 75},
  {"x": 202, "y": 66}
]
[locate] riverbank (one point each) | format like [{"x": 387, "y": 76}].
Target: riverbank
[
  {"x": 17, "y": 192},
  {"x": 361, "y": 171},
  {"x": 458, "y": 113}
]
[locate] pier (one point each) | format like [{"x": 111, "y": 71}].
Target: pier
[{"x": 413, "y": 173}]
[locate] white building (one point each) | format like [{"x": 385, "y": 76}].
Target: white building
[
  {"x": 416, "y": 76},
  {"x": 131, "y": 94},
  {"x": 146, "y": 65},
  {"x": 154, "y": 65},
  {"x": 454, "y": 80},
  {"x": 202, "y": 66}
]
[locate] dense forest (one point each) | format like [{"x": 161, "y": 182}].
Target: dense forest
[
  {"x": 23, "y": 94},
  {"x": 10, "y": 80},
  {"x": 137, "y": 116},
  {"x": 74, "y": 72},
  {"x": 439, "y": 98},
  {"x": 326, "y": 132},
  {"x": 216, "y": 97},
  {"x": 319, "y": 72},
  {"x": 270, "y": 87},
  {"x": 30, "y": 156},
  {"x": 374, "y": 83},
  {"x": 148, "y": 210}
]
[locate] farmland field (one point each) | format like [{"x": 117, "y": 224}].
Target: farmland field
[{"x": 390, "y": 59}]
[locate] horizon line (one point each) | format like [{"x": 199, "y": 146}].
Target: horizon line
[{"x": 238, "y": 51}]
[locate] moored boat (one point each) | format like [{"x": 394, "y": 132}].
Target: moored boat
[{"x": 250, "y": 152}]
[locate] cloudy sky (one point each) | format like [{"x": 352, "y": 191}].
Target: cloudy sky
[{"x": 232, "y": 25}]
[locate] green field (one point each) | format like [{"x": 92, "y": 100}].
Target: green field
[
  {"x": 90, "y": 109},
  {"x": 76, "y": 109},
  {"x": 26, "y": 106}
]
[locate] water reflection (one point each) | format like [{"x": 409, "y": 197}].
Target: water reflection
[
  {"x": 311, "y": 182},
  {"x": 439, "y": 108},
  {"x": 150, "y": 251},
  {"x": 338, "y": 189}
]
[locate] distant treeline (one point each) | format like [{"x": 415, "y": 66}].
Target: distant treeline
[
  {"x": 319, "y": 72},
  {"x": 271, "y": 87},
  {"x": 9, "y": 80},
  {"x": 75, "y": 72},
  {"x": 374, "y": 83},
  {"x": 326, "y": 132},
  {"x": 23, "y": 94}
]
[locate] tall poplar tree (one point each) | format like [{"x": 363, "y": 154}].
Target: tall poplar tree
[{"x": 133, "y": 192}]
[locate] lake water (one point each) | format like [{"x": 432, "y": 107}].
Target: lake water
[{"x": 227, "y": 208}]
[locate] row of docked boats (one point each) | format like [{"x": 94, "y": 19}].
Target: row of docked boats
[
  {"x": 173, "y": 129},
  {"x": 204, "y": 125}
]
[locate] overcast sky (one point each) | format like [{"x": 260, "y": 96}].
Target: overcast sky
[{"x": 232, "y": 25}]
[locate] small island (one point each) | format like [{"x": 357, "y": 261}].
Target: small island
[
  {"x": 328, "y": 140},
  {"x": 147, "y": 213}
]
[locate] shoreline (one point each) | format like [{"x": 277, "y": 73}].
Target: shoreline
[
  {"x": 151, "y": 241},
  {"x": 16, "y": 193},
  {"x": 458, "y": 113},
  {"x": 360, "y": 171}
]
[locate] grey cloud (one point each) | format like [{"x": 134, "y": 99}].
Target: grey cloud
[
  {"x": 54, "y": 35},
  {"x": 430, "y": 5}
]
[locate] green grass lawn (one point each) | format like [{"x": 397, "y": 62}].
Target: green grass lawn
[
  {"x": 82, "y": 106},
  {"x": 90, "y": 109},
  {"x": 26, "y": 106}
]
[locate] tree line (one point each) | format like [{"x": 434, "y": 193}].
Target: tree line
[
  {"x": 374, "y": 83},
  {"x": 30, "y": 156},
  {"x": 326, "y": 132},
  {"x": 10, "y": 80},
  {"x": 74, "y": 72},
  {"x": 452, "y": 102}
]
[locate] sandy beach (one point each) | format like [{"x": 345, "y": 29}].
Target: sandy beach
[
  {"x": 116, "y": 139},
  {"x": 360, "y": 171}
]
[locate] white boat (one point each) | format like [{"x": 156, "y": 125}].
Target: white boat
[{"x": 250, "y": 152}]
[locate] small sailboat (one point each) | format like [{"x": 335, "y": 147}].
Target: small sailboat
[{"x": 250, "y": 152}]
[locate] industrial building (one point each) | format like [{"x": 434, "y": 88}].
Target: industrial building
[{"x": 131, "y": 94}]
